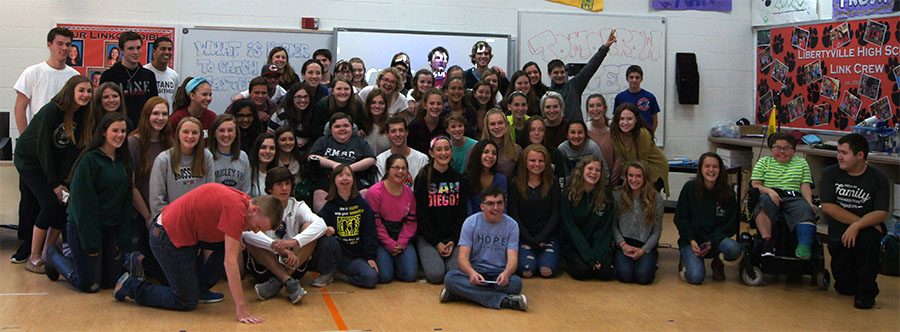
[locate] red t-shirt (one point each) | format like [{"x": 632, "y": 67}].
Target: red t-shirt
[
  {"x": 206, "y": 120},
  {"x": 207, "y": 213}
]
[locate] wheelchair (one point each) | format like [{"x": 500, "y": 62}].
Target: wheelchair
[{"x": 754, "y": 266}]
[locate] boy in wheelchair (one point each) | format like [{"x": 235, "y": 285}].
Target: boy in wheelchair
[{"x": 785, "y": 186}]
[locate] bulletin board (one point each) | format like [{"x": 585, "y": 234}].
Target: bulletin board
[
  {"x": 829, "y": 76},
  {"x": 95, "y": 47}
]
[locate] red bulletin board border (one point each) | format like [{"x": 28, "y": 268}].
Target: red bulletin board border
[
  {"x": 829, "y": 76},
  {"x": 95, "y": 42}
]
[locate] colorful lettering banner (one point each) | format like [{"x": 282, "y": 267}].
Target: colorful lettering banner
[
  {"x": 853, "y": 8},
  {"x": 775, "y": 12},
  {"x": 95, "y": 47},
  {"x": 707, "y": 5},
  {"x": 589, "y": 5},
  {"x": 830, "y": 75}
]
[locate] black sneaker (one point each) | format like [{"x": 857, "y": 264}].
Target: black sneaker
[
  {"x": 446, "y": 296},
  {"x": 768, "y": 248},
  {"x": 21, "y": 255},
  {"x": 718, "y": 269},
  {"x": 863, "y": 303},
  {"x": 51, "y": 272},
  {"x": 515, "y": 301}
]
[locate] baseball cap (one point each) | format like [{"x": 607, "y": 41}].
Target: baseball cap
[{"x": 270, "y": 69}]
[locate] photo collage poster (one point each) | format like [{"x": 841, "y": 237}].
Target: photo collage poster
[
  {"x": 830, "y": 75},
  {"x": 96, "y": 47}
]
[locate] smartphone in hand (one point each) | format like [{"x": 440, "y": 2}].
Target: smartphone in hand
[{"x": 705, "y": 246}]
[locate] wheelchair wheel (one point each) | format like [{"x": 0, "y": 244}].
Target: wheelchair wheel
[
  {"x": 752, "y": 276},
  {"x": 823, "y": 279}
]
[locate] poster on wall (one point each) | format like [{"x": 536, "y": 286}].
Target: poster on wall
[
  {"x": 830, "y": 75},
  {"x": 775, "y": 12},
  {"x": 854, "y": 8},
  {"x": 96, "y": 47},
  {"x": 705, "y": 5}
]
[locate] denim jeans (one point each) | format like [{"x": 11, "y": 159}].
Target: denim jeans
[
  {"x": 182, "y": 268},
  {"x": 532, "y": 259},
  {"x": 694, "y": 268},
  {"x": 641, "y": 271},
  {"x": 358, "y": 271},
  {"x": 86, "y": 273},
  {"x": 489, "y": 295},
  {"x": 404, "y": 266},
  {"x": 324, "y": 258}
]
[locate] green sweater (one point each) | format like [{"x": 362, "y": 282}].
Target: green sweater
[
  {"x": 703, "y": 220},
  {"x": 100, "y": 201},
  {"x": 44, "y": 145},
  {"x": 587, "y": 232}
]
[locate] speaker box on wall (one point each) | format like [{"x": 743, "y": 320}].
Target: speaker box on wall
[{"x": 687, "y": 78}]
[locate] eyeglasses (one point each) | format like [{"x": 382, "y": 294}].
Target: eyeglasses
[
  {"x": 782, "y": 148},
  {"x": 493, "y": 203}
]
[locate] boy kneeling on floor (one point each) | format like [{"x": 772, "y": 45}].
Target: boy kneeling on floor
[{"x": 211, "y": 213}]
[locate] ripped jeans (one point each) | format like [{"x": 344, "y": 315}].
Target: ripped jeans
[{"x": 532, "y": 259}]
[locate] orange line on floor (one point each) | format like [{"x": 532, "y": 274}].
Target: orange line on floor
[{"x": 335, "y": 314}]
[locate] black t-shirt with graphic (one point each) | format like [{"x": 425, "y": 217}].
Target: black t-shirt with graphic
[{"x": 857, "y": 194}]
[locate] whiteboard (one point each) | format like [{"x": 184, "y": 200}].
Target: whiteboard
[
  {"x": 230, "y": 57},
  {"x": 575, "y": 37},
  {"x": 377, "y": 47}
]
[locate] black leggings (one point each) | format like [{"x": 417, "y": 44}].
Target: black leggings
[
  {"x": 578, "y": 269},
  {"x": 38, "y": 205}
]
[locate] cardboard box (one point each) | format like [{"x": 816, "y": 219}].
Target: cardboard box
[
  {"x": 752, "y": 130},
  {"x": 736, "y": 157}
]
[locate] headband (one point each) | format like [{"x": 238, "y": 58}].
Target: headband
[
  {"x": 437, "y": 138},
  {"x": 515, "y": 93},
  {"x": 194, "y": 82}
]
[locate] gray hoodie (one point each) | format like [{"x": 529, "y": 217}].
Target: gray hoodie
[{"x": 165, "y": 187}]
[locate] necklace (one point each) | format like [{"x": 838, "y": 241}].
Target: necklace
[{"x": 130, "y": 74}]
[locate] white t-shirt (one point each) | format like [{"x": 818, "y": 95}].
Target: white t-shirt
[
  {"x": 399, "y": 105},
  {"x": 167, "y": 82},
  {"x": 40, "y": 83},
  {"x": 416, "y": 160}
]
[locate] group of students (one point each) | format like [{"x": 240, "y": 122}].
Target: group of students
[{"x": 368, "y": 184}]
